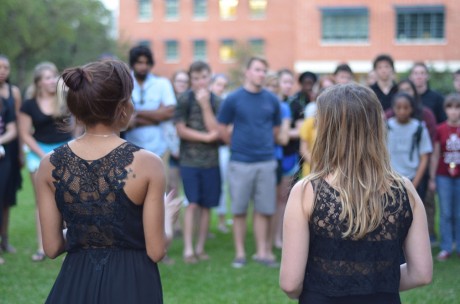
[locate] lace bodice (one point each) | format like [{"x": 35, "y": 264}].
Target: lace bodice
[
  {"x": 91, "y": 198},
  {"x": 347, "y": 266}
]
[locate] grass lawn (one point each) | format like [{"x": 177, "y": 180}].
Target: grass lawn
[{"x": 213, "y": 281}]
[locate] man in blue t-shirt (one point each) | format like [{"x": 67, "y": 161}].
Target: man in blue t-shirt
[{"x": 255, "y": 116}]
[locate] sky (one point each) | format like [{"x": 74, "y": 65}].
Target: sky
[{"x": 111, "y": 4}]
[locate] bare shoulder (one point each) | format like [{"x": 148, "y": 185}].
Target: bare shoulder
[
  {"x": 414, "y": 198},
  {"x": 45, "y": 169},
  {"x": 148, "y": 162},
  {"x": 302, "y": 196}
]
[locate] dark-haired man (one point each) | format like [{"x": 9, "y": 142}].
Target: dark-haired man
[
  {"x": 154, "y": 103},
  {"x": 385, "y": 87}
]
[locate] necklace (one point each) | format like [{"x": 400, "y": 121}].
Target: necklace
[{"x": 99, "y": 135}]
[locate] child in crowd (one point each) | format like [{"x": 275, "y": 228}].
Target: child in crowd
[
  {"x": 409, "y": 144},
  {"x": 445, "y": 176}
]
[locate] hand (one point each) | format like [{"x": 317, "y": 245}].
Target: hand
[
  {"x": 2, "y": 151},
  {"x": 211, "y": 136},
  {"x": 432, "y": 185},
  {"x": 165, "y": 112},
  {"x": 203, "y": 97}
]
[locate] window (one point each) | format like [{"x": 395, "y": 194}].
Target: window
[
  {"x": 227, "y": 50},
  {"x": 419, "y": 23},
  {"x": 257, "y": 46},
  {"x": 172, "y": 50},
  {"x": 258, "y": 8},
  {"x": 200, "y": 8},
  {"x": 345, "y": 24},
  {"x": 145, "y": 9},
  {"x": 146, "y": 43},
  {"x": 199, "y": 50},
  {"x": 172, "y": 9},
  {"x": 227, "y": 9}
]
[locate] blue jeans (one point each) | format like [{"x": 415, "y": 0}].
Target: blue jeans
[{"x": 449, "y": 201}]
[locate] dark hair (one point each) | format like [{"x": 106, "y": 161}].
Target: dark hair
[
  {"x": 452, "y": 100},
  {"x": 306, "y": 75},
  {"x": 198, "y": 66},
  {"x": 457, "y": 72},
  {"x": 418, "y": 110},
  {"x": 343, "y": 68},
  {"x": 4, "y": 57},
  {"x": 384, "y": 57},
  {"x": 139, "y": 51},
  {"x": 97, "y": 91},
  {"x": 406, "y": 96},
  {"x": 254, "y": 59}
]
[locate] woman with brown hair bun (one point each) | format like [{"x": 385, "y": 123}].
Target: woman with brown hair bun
[
  {"x": 109, "y": 193},
  {"x": 348, "y": 221}
]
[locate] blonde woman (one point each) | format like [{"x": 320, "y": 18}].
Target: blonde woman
[
  {"x": 347, "y": 223},
  {"x": 41, "y": 126}
]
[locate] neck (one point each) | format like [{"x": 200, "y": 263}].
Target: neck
[
  {"x": 100, "y": 131},
  {"x": 385, "y": 83},
  {"x": 453, "y": 123},
  {"x": 252, "y": 88},
  {"x": 45, "y": 95},
  {"x": 422, "y": 89}
]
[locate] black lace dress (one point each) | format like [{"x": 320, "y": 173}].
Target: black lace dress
[
  {"x": 348, "y": 270},
  {"x": 106, "y": 258}
]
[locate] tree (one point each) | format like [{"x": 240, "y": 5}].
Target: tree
[{"x": 64, "y": 32}]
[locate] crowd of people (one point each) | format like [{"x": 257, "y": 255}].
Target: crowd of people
[{"x": 106, "y": 142}]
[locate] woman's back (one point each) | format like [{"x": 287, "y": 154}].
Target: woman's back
[
  {"x": 93, "y": 202},
  {"x": 339, "y": 266}
]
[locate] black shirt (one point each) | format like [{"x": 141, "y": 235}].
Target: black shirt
[
  {"x": 435, "y": 102},
  {"x": 46, "y": 127},
  {"x": 297, "y": 104},
  {"x": 385, "y": 99}
]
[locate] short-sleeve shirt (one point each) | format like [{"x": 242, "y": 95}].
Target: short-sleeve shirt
[
  {"x": 253, "y": 115},
  {"x": 192, "y": 153},
  {"x": 385, "y": 99},
  {"x": 435, "y": 102},
  {"x": 47, "y": 129},
  {"x": 449, "y": 140},
  {"x": 155, "y": 91},
  {"x": 400, "y": 140}
]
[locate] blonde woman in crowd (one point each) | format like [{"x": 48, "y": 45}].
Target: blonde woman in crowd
[
  {"x": 347, "y": 222},
  {"x": 42, "y": 122}
]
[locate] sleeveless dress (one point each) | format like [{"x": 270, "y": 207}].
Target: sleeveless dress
[
  {"x": 14, "y": 177},
  {"x": 348, "y": 270},
  {"x": 106, "y": 258}
]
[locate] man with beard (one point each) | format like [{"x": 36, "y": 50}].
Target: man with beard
[{"x": 154, "y": 103}]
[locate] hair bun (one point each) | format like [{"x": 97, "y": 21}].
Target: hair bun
[{"x": 74, "y": 78}]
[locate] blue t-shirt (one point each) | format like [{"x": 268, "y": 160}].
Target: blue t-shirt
[
  {"x": 285, "y": 114},
  {"x": 253, "y": 116}
]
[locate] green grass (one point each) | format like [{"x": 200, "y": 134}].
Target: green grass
[{"x": 214, "y": 281}]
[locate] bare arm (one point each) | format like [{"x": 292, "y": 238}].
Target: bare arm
[
  {"x": 305, "y": 151},
  {"x": 25, "y": 128},
  {"x": 203, "y": 98},
  {"x": 283, "y": 135},
  {"x": 190, "y": 134},
  {"x": 10, "y": 134},
  {"x": 434, "y": 161},
  {"x": 296, "y": 235},
  {"x": 154, "y": 117},
  {"x": 418, "y": 269},
  {"x": 154, "y": 209},
  {"x": 421, "y": 169},
  {"x": 294, "y": 133},
  {"x": 224, "y": 133},
  {"x": 50, "y": 217}
]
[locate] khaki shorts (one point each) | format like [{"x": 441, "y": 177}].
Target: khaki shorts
[{"x": 256, "y": 181}]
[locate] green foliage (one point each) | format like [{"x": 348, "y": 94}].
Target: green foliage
[
  {"x": 243, "y": 52},
  {"x": 440, "y": 81},
  {"x": 61, "y": 31}
]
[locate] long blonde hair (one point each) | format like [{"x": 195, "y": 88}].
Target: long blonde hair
[
  {"x": 351, "y": 148},
  {"x": 59, "y": 108}
]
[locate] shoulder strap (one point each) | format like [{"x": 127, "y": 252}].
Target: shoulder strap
[{"x": 416, "y": 139}]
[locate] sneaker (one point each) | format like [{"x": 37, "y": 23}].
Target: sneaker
[
  {"x": 239, "y": 262},
  {"x": 443, "y": 256},
  {"x": 270, "y": 263}
]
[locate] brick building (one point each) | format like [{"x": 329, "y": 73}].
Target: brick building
[{"x": 299, "y": 34}]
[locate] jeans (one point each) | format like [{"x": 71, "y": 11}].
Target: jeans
[{"x": 449, "y": 201}]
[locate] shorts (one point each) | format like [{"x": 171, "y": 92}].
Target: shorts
[
  {"x": 202, "y": 186},
  {"x": 33, "y": 160},
  {"x": 255, "y": 181}
]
